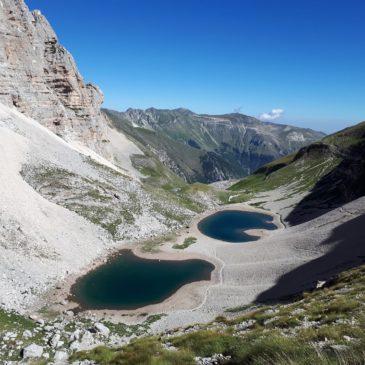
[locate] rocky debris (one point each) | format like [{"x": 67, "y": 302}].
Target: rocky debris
[
  {"x": 55, "y": 340},
  {"x": 245, "y": 325},
  {"x": 320, "y": 284},
  {"x": 75, "y": 335},
  {"x": 169, "y": 346},
  {"x": 340, "y": 348},
  {"x": 37, "y": 319},
  {"x": 60, "y": 357},
  {"x": 104, "y": 330},
  {"x": 27, "y": 334},
  {"x": 307, "y": 324},
  {"x": 216, "y": 359},
  {"x": 32, "y": 351},
  {"x": 9, "y": 335},
  {"x": 270, "y": 320}
]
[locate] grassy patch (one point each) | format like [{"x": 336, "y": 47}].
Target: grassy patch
[
  {"x": 147, "y": 351},
  {"x": 207, "y": 343},
  {"x": 151, "y": 245},
  {"x": 187, "y": 242}
]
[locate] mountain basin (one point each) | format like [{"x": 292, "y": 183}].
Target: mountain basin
[
  {"x": 128, "y": 282},
  {"x": 231, "y": 225}
]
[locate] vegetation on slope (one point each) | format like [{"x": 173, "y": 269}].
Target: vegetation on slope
[
  {"x": 304, "y": 168},
  {"x": 188, "y": 241},
  {"x": 205, "y": 148},
  {"x": 333, "y": 170},
  {"x": 326, "y": 326}
]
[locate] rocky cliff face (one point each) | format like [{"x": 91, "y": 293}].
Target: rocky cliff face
[{"x": 40, "y": 78}]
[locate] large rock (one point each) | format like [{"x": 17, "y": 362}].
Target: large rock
[
  {"x": 40, "y": 78},
  {"x": 53, "y": 342},
  {"x": 32, "y": 351},
  {"x": 104, "y": 330},
  {"x": 60, "y": 357}
]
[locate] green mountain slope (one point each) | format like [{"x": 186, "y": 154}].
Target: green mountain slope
[
  {"x": 209, "y": 148},
  {"x": 333, "y": 170}
]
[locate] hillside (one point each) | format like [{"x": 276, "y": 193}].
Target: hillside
[
  {"x": 47, "y": 185},
  {"x": 329, "y": 173},
  {"x": 208, "y": 148}
]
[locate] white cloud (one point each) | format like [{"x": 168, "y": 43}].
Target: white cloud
[{"x": 273, "y": 115}]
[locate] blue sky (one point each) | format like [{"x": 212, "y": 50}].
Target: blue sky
[{"x": 306, "y": 57}]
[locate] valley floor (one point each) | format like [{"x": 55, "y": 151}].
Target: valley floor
[{"x": 282, "y": 263}]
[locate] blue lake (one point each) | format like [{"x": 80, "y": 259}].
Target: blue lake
[
  {"x": 130, "y": 282},
  {"x": 230, "y": 225}
]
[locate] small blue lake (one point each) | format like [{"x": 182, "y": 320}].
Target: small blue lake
[
  {"x": 130, "y": 282},
  {"x": 230, "y": 225}
]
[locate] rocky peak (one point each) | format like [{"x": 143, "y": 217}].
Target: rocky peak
[{"x": 40, "y": 78}]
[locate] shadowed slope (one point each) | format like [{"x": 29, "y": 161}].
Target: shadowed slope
[{"x": 348, "y": 241}]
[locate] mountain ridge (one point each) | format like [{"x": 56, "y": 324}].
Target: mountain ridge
[
  {"x": 330, "y": 172},
  {"x": 216, "y": 147}
]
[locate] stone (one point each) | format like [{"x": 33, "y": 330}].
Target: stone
[
  {"x": 75, "y": 346},
  {"x": 53, "y": 342},
  {"x": 104, "y": 330},
  {"x": 320, "y": 284},
  {"x": 40, "y": 321},
  {"x": 244, "y": 325},
  {"x": 32, "y": 351},
  {"x": 215, "y": 359},
  {"x": 60, "y": 356},
  {"x": 340, "y": 347},
  {"x": 75, "y": 335}
]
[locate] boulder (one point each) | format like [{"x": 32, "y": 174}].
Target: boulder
[
  {"x": 60, "y": 357},
  {"x": 32, "y": 351},
  {"x": 104, "y": 330},
  {"x": 53, "y": 342}
]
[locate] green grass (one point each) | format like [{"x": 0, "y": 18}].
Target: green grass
[
  {"x": 300, "y": 175},
  {"x": 187, "y": 242},
  {"x": 347, "y": 137},
  {"x": 152, "y": 245},
  {"x": 12, "y": 322},
  {"x": 147, "y": 351}
]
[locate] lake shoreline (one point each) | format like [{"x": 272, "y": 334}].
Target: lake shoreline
[{"x": 189, "y": 297}]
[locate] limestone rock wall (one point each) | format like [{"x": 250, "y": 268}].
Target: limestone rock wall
[{"x": 40, "y": 78}]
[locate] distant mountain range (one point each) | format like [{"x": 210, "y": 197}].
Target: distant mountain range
[{"x": 207, "y": 148}]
